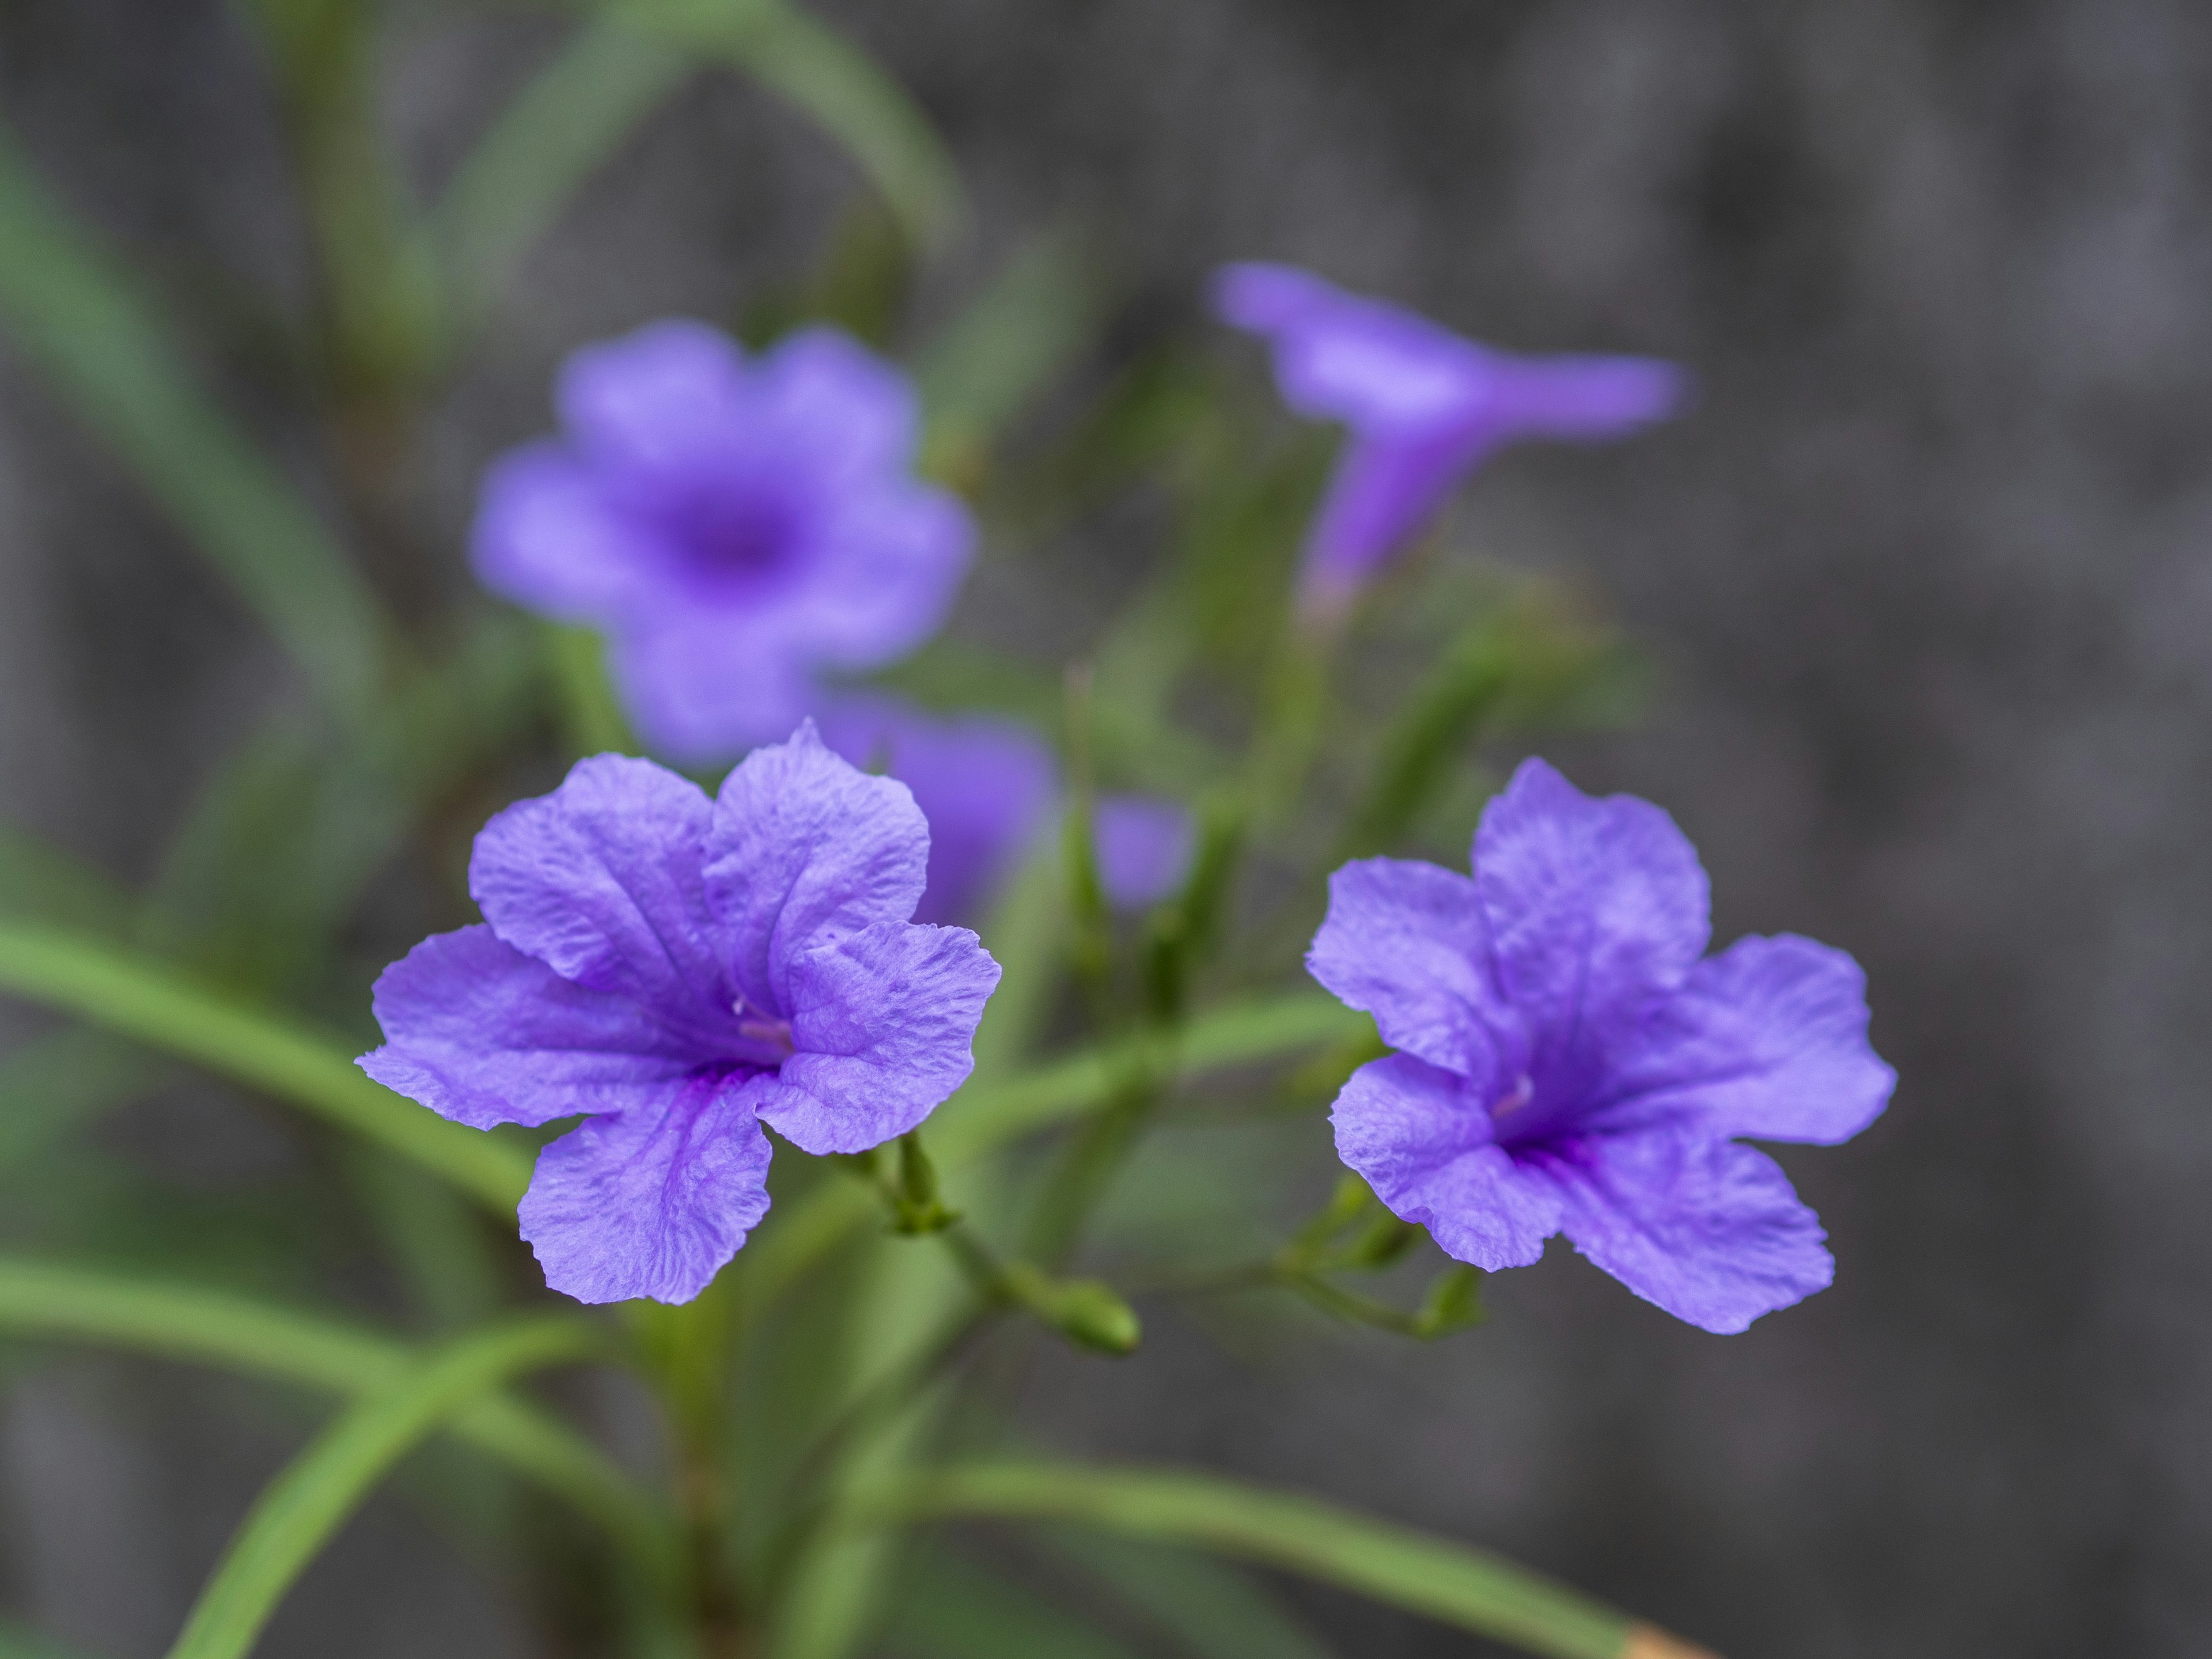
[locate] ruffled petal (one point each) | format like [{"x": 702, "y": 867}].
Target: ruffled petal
[
  {"x": 1593, "y": 905},
  {"x": 1406, "y": 942},
  {"x": 883, "y": 1022},
  {"x": 985, "y": 786},
  {"x": 654, "y": 1201},
  {"x": 601, "y": 880},
  {"x": 1707, "y": 1229},
  {"x": 804, "y": 850},
  {"x": 548, "y": 537},
  {"x": 664, "y": 399},
  {"x": 482, "y": 1034},
  {"x": 1423, "y": 1141},
  {"x": 1767, "y": 1039}
]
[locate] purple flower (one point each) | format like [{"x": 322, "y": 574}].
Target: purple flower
[
  {"x": 1571, "y": 1061},
  {"x": 985, "y": 785},
  {"x": 678, "y": 971},
  {"x": 736, "y": 526},
  {"x": 1423, "y": 405},
  {"x": 1144, "y": 845}
]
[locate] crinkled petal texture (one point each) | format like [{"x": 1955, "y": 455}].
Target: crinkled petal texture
[
  {"x": 882, "y": 1022},
  {"x": 652, "y": 1202}
]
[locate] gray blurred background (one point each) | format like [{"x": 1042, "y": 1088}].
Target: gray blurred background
[{"x": 1929, "y": 573}]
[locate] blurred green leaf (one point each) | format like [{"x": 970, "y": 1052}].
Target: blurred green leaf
[
  {"x": 591, "y": 715},
  {"x": 40, "y": 883},
  {"x": 1212, "y": 1611},
  {"x": 75, "y": 316},
  {"x": 18, "y": 1642},
  {"x": 298, "y": 1511},
  {"x": 52, "y": 1083},
  {"x": 1447, "y": 1581},
  {"x": 570, "y": 120},
  {"x": 948, "y": 1609},
  {"x": 53, "y": 1302},
  {"x": 133, "y": 997},
  {"x": 816, "y": 70}
]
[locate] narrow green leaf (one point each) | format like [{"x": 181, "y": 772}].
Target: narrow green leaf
[
  {"x": 1446, "y": 1581},
  {"x": 40, "y": 883},
  {"x": 52, "y": 1083},
  {"x": 75, "y": 316},
  {"x": 562, "y": 128},
  {"x": 236, "y": 1334},
  {"x": 1212, "y": 1610},
  {"x": 132, "y": 997},
  {"x": 299, "y": 1510},
  {"x": 950, "y": 1609},
  {"x": 18, "y": 1642}
]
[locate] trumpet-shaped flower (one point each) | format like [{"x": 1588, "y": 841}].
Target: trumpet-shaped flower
[
  {"x": 738, "y": 527},
  {"x": 1570, "y": 1061},
  {"x": 1424, "y": 407},
  {"x": 677, "y": 971}
]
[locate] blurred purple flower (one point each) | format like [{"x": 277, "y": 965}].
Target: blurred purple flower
[
  {"x": 1144, "y": 846},
  {"x": 679, "y": 972},
  {"x": 735, "y": 526},
  {"x": 1570, "y": 1061},
  {"x": 1424, "y": 406},
  {"x": 985, "y": 785}
]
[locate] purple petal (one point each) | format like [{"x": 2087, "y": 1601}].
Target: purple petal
[
  {"x": 1340, "y": 356},
  {"x": 850, "y": 414},
  {"x": 664, "y": 399},
  {"x": 601, "y": 880},
  {"x": 985, "y": 786},
  {"x": 1423, "y": 1141},
  {"x": 1581, "y": 399},
  {"x": 1593, "y": 906},
  {"x": 1144, "y": 845},
  {"x": 482, "y": 1034},
  {"x": 1406, "y": 942},
  {"x": 705, "y": 684},
  {"x": 1708, "y": 1229},
  {"x": 1383, "y": 493},
  {"x": 547, "y": 537},
  {"x": 804, "y": 849},
  {"x": 654, "y": 1201},
  {"x": 882, "y": 1022},
  {"x": 886, "y": 568},
  {"x": 1767, "y": 1039}
]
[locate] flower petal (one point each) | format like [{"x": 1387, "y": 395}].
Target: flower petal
[
  {"x": 601, "y": 881},
  {"x": 883, "y": 1022},
  {"x": 1383, "y": 493},
  {"x": 547, "y": 537},
  {"x": 704, "y": 682},
  {"x": 1593, "y": 905},
  {"x": 651, "y": 1202},
  {"x": 1583, "y": 398},
  {"x": 662, "y": 398},
  {"x": 832, "y": 400},
  {"x": 1423, "y": 1141},
  {"x": 804, "y": 849},
  {"x": 1406, "y": 942},
  {"x": 885, "y": 565},
  {"x": 1708, "y": 1229},
  {"x": 1144, "y": 846},
  {"x": 482, "y": 1034},
  {"x": 1767, "y": 1039}
]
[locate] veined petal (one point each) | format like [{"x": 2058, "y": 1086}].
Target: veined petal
[
  {"x": 482, "y": 1034},
  {"x": 1406, "y": 942},
  {"x": 1593, "y": 905},
  {"x": 805, "y": 850},
  {"x": 1422, "y": 1139},
  {"x": 601, "y": 880},
  {"x": 664, "y": 397},
  {"x": 883, "y": 1022},
  {"x": 1707, "y": 1229},
  {"x": 1767, "y": 1039},
  {"x": 651, "y": 1202}
]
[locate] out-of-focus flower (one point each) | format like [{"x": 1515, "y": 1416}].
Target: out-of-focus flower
[
  {"x": 678, "y": 971},
  {"x": 985, "y": 785},
  {"x": 1144, "y": 845},
  {"x": 1424, "y": 406},
  {"x": 736, "y": 526},
  {"x": 1570, "y": 1061}
]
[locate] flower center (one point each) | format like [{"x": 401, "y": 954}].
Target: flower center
[
  {"x": 1523, "y": 1092},
  {"x": 770, "y": 1033},
  {"x": 741, "y": 532}
]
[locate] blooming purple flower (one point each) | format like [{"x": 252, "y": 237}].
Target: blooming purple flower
[
  {"x": 736, "y": 527},
  {"x": 1144, "y": 845},
  {"x": 1424, "y": 406},
  {"x": 985, "y": 785},
  {"x": 1570, "y": 1061},
  {"x": 678, "y": 971}
]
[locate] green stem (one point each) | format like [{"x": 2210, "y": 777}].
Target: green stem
[{"x": 688, "y": 1350}]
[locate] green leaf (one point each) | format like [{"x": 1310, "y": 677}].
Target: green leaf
[
  {"x": 970, "y": 1125},
  {"x": 948, "y": 1609},
  {"x": 1213, "y": 1611},
  {"x": 562, "y": 128},
  {"x": 77, "y": 317},
  {"x": 52, "y": 1083},
  {"x": 1446, "y": 1581},
  {"x": 40, "y": 883},
  {"x": 135, "y": 998},
  {"x": 256, "y": 1339},
  {"x": 18, "y": 1642},
  {"x": 299, "y": 1510},
  {"x": 819, "y": 72}
]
